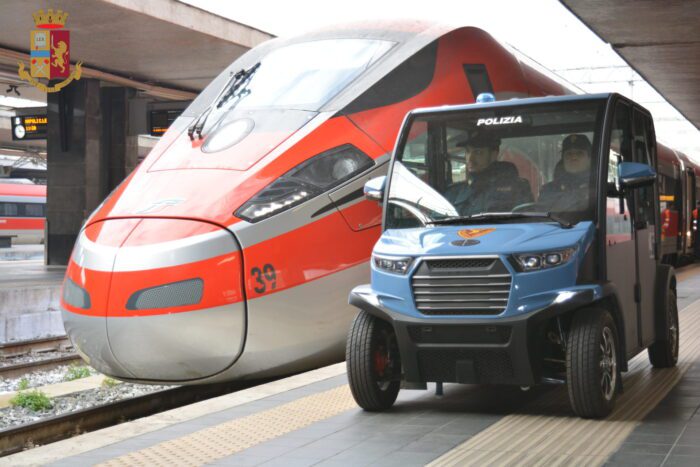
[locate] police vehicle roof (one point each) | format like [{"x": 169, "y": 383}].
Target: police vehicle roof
[{"x": 510, "y": 103}]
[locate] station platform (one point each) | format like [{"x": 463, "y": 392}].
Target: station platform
[
  {"x": 312, "y": 419},
  {"x": 29, "y": 300}
]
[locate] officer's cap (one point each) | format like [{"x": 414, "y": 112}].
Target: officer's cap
[
  {"x": 481, "y": 140},
  {"x": 576, "y": 142}
]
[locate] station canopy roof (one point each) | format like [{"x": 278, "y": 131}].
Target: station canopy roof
[
  {"x": 172, "y": 48},
  {"x": 660, "y": 40}
]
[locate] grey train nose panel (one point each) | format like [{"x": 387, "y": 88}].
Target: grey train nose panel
[
  {"x": 89, "y": 336},
  {"x": 179, "y": 346}
]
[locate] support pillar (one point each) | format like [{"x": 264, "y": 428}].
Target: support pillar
[
  {"x": 90, "y": 151},
  {"x": 74, "y": 164},
  {"x": 119, "y": 146}
]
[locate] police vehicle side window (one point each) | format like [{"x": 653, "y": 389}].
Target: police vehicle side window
[
  {"x": 415, "y": 159},
  {"x": 642, "y": 144},
  {"x": 414, "y": 155},
  {"x": 618, "y": 226}
]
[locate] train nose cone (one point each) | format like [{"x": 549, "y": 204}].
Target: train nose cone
[{"x": 173, "y": 309}]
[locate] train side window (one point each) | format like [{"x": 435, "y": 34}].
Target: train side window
[
  {"x": 643, "y": 139},
  {"x": 9, "y": 210},
  {"x": 34, "y": 210},
  {"x": 405, "y": 81},
  {"x": 478, "y": 79}
]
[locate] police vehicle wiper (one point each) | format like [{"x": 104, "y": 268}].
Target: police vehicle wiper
[
  {"x": 229, "y": 90},
  {"x": 496, "y": 216}
]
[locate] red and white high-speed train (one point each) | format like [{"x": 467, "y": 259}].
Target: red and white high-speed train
[
  {"x": 22, "y": 212},
  {"x": 679, "y": 195},
  {"x": 230, "y": 251}
]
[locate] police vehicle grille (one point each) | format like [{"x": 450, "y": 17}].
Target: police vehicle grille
[
  {"x": 459, "y": 334},
  {"x": 460, "y": 263},
  {"x": 490, "y": 366},
  {"x": 461, "y": 286}
]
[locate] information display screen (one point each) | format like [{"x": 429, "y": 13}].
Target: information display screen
[
  {"x": 160, "y": 120},
  {"x": 29, "y": 127}
]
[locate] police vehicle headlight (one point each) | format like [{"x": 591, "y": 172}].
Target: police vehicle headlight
[
  {"x": 307, "y": 180},
  {"x": 394, "y": 264},
  {"x": 536, "y": 261}
]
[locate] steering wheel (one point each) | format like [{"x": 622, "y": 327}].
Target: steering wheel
[{"x": 527, "y": 207}]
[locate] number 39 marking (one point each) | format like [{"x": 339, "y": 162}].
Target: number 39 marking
[{"x": 265, "y": 278}]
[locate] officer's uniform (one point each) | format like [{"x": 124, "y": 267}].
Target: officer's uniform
[
  {"x": 568, "y": 191},
  {"x": 497, "y": 188}
]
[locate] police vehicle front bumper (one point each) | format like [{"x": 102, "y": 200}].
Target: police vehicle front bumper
[{"x": 471, "y": 350}]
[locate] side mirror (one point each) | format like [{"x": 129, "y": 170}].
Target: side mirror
[
  {"x": 635, "y": 175},
  {"x": 374, "y": 189}
]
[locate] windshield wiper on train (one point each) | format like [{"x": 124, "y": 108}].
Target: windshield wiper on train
[
  {"x": 239, "y": 79},
  {"x": 498, "y": 216},
  {"x": 234, "y": 87}
]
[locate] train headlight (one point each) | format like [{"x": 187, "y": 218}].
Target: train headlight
[
  {"x": 395, "y": 264},
  {"x": 536, "y": 261},
  {"x": 305, "y": 181}
]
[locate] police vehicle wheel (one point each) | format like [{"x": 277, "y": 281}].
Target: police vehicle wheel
[
  {"x": 664, "y": 352},
  {"x": 591, "y": 363},
  {"x": 373, "y": 365}
]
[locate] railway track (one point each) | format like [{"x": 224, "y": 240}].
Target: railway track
[
  {"x": 13, "y": 355},
  {"x": 47, "y": 344},
  {"x": 63, "y": 426}
]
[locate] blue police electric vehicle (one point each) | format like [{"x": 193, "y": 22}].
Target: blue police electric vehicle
[{"x": 476, "y": 280}]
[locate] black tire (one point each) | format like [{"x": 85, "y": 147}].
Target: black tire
[
  {"x": 591, "y": 355},
  {"x": 372, "y": 341},
  {"x": 664, "y": 352}
]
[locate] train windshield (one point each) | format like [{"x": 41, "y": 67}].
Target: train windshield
[
  {"x": 533, "y": 163},
  {"x": 302, "y": 76}
]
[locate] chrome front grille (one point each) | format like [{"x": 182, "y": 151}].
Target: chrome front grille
[{"x": 461, "y": 286}]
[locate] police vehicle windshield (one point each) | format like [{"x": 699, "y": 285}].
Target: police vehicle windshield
[{"x": 521, "y": 163}]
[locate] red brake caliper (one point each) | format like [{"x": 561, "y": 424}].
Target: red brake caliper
[{"x": 381, "y": 360}]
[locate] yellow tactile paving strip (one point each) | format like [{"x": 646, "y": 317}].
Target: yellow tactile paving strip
[
  {"x": 526, "y": 439},
  {"x": 548, "y": 438},
  {"x": 228, "y": 438}
]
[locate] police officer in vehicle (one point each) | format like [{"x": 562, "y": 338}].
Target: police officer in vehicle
[
  {"x": 571, "y": 184},
  {"x": 491, "y": 185}
]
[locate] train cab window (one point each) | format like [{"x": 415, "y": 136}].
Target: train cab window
[
  {"x": 300, "y": 76},
  {"x": 306, "y": 75},
  {"x": 478, "y": 79},
  {"x": 9, "y": 210},
  {"x": 642, "y": 143}
]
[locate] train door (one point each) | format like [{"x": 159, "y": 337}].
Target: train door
[
  {"x": 620, "y": 245},
  {"x": 696, "y": 217},
  {"x": 688, "y": 208},
  {"x": 645, "y": 228}
]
